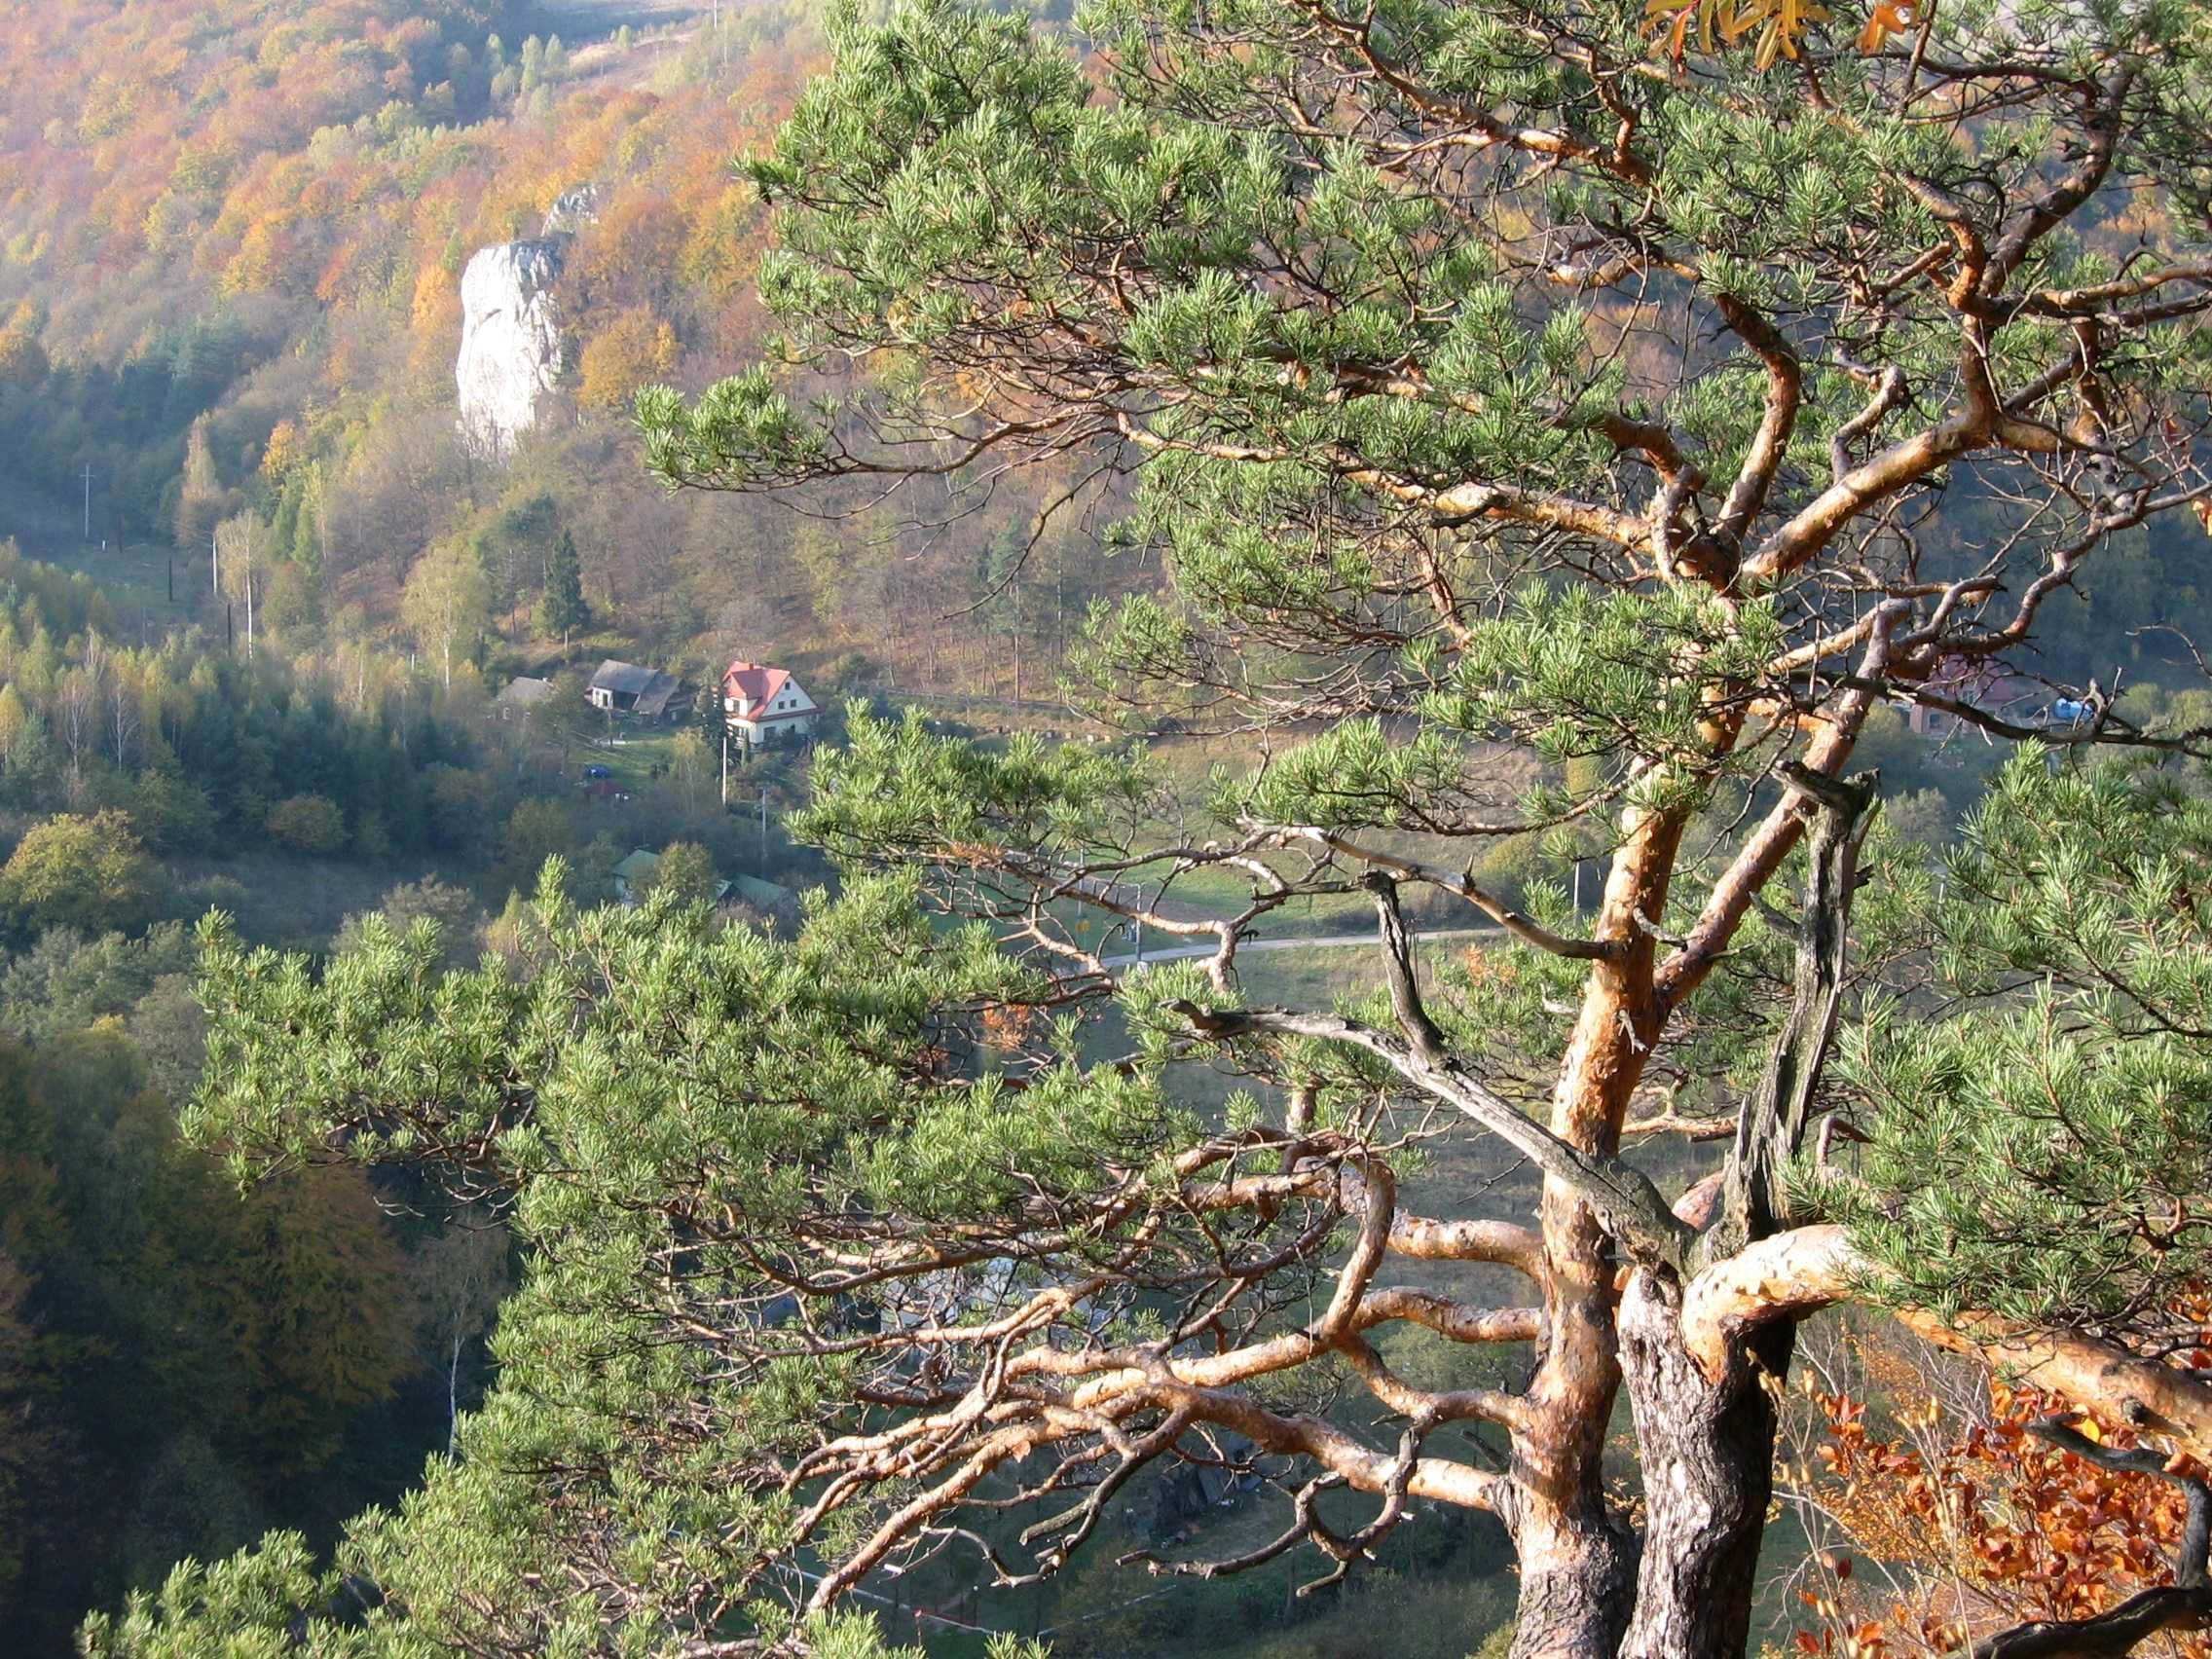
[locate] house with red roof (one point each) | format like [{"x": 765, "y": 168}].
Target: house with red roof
[{"x": 764, "y": 704}]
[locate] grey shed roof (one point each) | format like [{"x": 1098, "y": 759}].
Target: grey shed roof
[
  {"x": 523, "y": 690},
  {"x": 627, "y": 678},
  {"x": 648, "y": 688},
  {"x": 654, "y": 699}
]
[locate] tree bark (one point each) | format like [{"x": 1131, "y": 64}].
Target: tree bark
[
  {"x": 1577, "y": 1580},
  {"x": 1708, "y": 1456},
  {"x": 1577, "y": 1561},
  {"x": 453, "y": 1394},
  {"x": 1705, "y": 1419}
]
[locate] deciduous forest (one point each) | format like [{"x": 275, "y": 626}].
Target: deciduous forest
[{"x": 1272, "y": 829}]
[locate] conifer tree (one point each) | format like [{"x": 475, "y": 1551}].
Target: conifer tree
[
  {"x": 1491, "y": 378},
  {"x": 562, "y": 609},
  {"x": 1488, "y": 378}
]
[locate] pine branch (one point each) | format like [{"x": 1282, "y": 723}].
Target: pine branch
[
  {"x": 1623, "y": 1195},
  {"x": 1797, "y": 1273},
  {"x": 1772, "y": 1126},
  {"x": 1514, "y": 922}
]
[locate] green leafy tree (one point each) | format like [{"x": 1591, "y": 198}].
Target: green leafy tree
[
  {"x": 172, "y": 813},
  {"x": 711, "y": 721},
  {"x": 308, "y": 823},
  {"x": 65, "y": 982},
  {"x": 35, "y": 1455},
  {"x": 685, "y": 872},
  {"x": 83, "y": 872},
  {"x": 693, "y": 760},
  {"x": 300, "y": 1289},
  {"x": 15, "y": 716},
  {"x": 452, "y": 910},
  {"x": 169, "y": 1032},
  {"x": 463, "y": 1277},
  {"x": 537, "y": 830},
  {"x": 191, "y": 1354},
  {"x": 202, "y": 500},
  {"x": 446, "y": 605}
]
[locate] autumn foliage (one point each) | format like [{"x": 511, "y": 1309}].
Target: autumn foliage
[
  {"x": 1942, "y": 1530},
  {"x": 348, "y": 155}
]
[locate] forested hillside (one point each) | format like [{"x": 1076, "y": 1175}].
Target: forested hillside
[{"x": 233, "y": 242}]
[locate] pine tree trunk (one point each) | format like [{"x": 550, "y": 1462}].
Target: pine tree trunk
[
  {"x": 1578, "y": 1563},
  {"x": 1577, "y": 1583},
  {"x": 453, "y": 1394},
  {"x": 1707, "y": 1459}
]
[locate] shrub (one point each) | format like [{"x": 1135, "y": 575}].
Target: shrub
[{"x": 309, "y": 823}]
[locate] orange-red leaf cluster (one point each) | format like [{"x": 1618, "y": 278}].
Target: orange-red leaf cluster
[{"x": 1986, "y": 1524}]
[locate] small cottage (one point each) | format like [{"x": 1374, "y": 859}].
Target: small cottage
[
  {"x": 520, "y": 695},
  {"x": 634, "y": 874},
  {"x": 634, "y": 878},
  {"x": 625, "y": 688}
]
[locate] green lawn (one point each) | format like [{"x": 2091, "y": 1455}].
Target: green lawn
[
  {"x": 50, "y": 527},
  {"x": 1217, "y": 892},
  {"x": 633, "y": 754},
  {"x": 1317, "y": 979},
  {"x": 133, "y": 576}
]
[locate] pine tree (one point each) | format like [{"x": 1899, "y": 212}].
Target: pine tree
[
  {"x": 1490, "y": 383},
  {"x": 562, "y": 609}
]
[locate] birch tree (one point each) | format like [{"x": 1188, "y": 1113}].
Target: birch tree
[{"x": 447, "y": 605}]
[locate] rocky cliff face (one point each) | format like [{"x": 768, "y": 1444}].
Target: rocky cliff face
[
  {"x": 571, "y": 210},
  {"x": 510, "y": 340}
]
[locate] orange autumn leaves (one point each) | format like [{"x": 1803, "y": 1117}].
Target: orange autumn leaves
[
  {"x": 1774, "y": 26},
  {"x": 1967, "y": 1531}
]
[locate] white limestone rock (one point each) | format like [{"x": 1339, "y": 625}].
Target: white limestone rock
[
  {"x": 510, "y": 340},
  {"x": 571, "y": 210}
]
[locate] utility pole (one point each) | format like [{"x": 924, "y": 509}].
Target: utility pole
[
  {"x": 763, "y": 830},
  {"x": 725, "y": 766}
]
